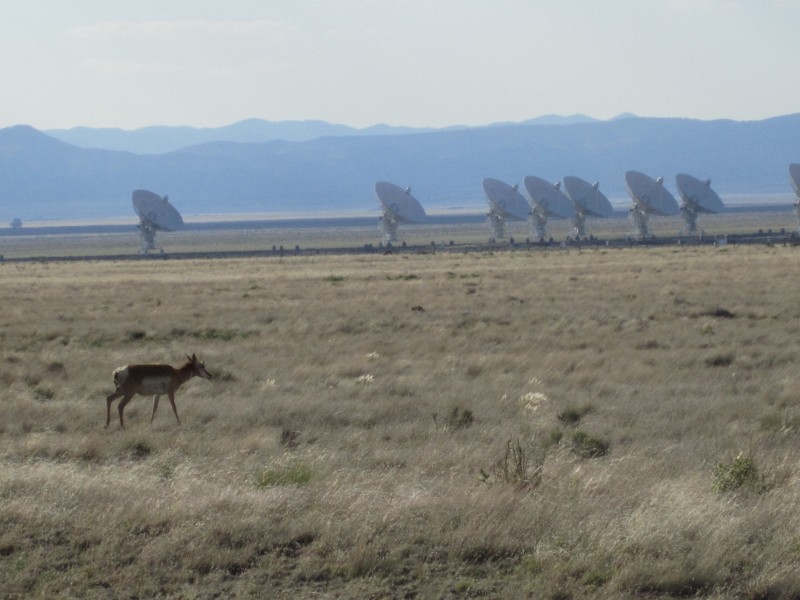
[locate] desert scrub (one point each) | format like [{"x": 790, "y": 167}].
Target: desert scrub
[
  {"x": 572, "y": 415},
  {"x": 137, "y": 448},
  {"x": 295, "y": 474},
  {"x": 587, "y": 446},
  {"x": 517, "y": 467},
  {"x": 456, "y": 418},
  {"x": 720, "y": 360},
  {"x": 740, "y": 474}
]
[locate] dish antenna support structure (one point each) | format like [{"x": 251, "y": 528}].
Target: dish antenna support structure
[
  {"x": 505, "y": 204},
  {"x": 588, "y": 201},
  {"x": 155, "y": 214},
  {"x": 398, "y": 206},
  {"x": 794, "y": 175},
  {"x": 547, "y": 200},
  {"x": 650, "y": 197},
  {"x": 698, "y": 197}
]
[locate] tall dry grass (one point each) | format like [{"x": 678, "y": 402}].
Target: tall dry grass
[{"x": 542, "y": 424}]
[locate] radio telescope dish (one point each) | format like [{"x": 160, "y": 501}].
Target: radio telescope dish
[
  {"x": 547, "y": 200},
  {"x": 794, "y": 175},
  {"x": 155, "y": 214},
  {"x": 588, "y": 200},
  {"x": 505, "y": 204},
  {"x": 698, "y": 197},
  {"x": 399, "y": 206},
  {"x": 649, "y": 197}
]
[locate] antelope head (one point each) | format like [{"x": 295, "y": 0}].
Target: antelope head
[{"x": 198, "y": 367}]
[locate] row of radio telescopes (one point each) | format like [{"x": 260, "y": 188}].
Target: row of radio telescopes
[{"x": 578, "y": 200}]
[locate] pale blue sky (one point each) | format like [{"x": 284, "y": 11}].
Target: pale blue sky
[{"x": 207, "y": 63}]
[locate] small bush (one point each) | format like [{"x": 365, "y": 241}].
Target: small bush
[
  {"x": 720, "y": 313},
  {"x": 57, "y": 368},
  {"x": 572, "y": 415},
  {"x": 137, "y": 449},
  {"x": 586, "y": 446},
  {"x": 555, "y": 437},
  {"x": 596, "y": 579},
  {"x": 720, "y": 360},
  {"x": 289, "y": 438},
  {"x": 211, "y": 333},
  {"x": 297, "y": 475},
  {"x": 514, "y": 468},
  {"x": 408, "y": 277},
  {"x": 737, "y": 475},
  {"x": 457, "y": 418},
  {"x": 43, "y": 394}
]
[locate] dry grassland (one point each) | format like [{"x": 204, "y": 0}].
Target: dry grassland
[{"x": 611, "y": 424}]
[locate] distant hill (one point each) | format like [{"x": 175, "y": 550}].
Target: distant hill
[
  {"x": 163, "y": 139},
  {"x": 559, "y": 120},
  {"x": 42, "y": 177}
]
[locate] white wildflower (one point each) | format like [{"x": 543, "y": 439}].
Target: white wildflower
[
  {"x": 267, "y": 384},
  {"x": 365, "y": 379},
  {"x": 532, "y": 400}
]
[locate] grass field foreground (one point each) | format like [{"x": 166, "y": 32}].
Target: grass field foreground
[{"x": 565, "y": 424}]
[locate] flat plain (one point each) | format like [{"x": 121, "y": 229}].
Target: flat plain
[{"x": 598, "y": 423}]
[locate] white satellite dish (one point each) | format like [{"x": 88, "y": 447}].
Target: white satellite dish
[
  {"x": 588, "y": 200},
  {"x": 794, "y": 175},
  {"x": 399, "y": 206},
  {"x": 155, "y": 214},
  {"x": 698, "y": 197},
  {"x": 649, "y": 197},
  {"x": 547, "y": 200},
  {"x": 505, "y": 204}
]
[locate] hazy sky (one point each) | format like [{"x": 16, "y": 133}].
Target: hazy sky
[{"x": 206, "y": 63}]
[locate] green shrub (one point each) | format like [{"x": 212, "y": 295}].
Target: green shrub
[
  {"x": 586, "y": 446},
  {"x": 408, "y": 277},
  {"x": 572, "y": 415},
  {"x": 737, "y": 475},
  {"x": 297, "y": 474},
  {"x": 555, "y": 437},
  {"x": 596, "y": 579}
]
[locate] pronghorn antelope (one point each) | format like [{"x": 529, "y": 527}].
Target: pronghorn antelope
[{"x": 152, "y": 379}]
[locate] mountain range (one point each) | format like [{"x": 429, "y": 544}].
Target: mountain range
[
  {"x": 162, "y": 139},
  {"x": 320, "y": 167}
]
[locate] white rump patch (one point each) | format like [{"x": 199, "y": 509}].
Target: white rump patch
[{"x": 121, "y": 375}]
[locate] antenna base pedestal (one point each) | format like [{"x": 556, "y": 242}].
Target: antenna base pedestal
[{"x": 497, "y": 225}]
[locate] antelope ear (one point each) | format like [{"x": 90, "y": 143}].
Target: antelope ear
[
  {"x": 194, "y": 358},
  {"x": 189, "y": 358}
]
